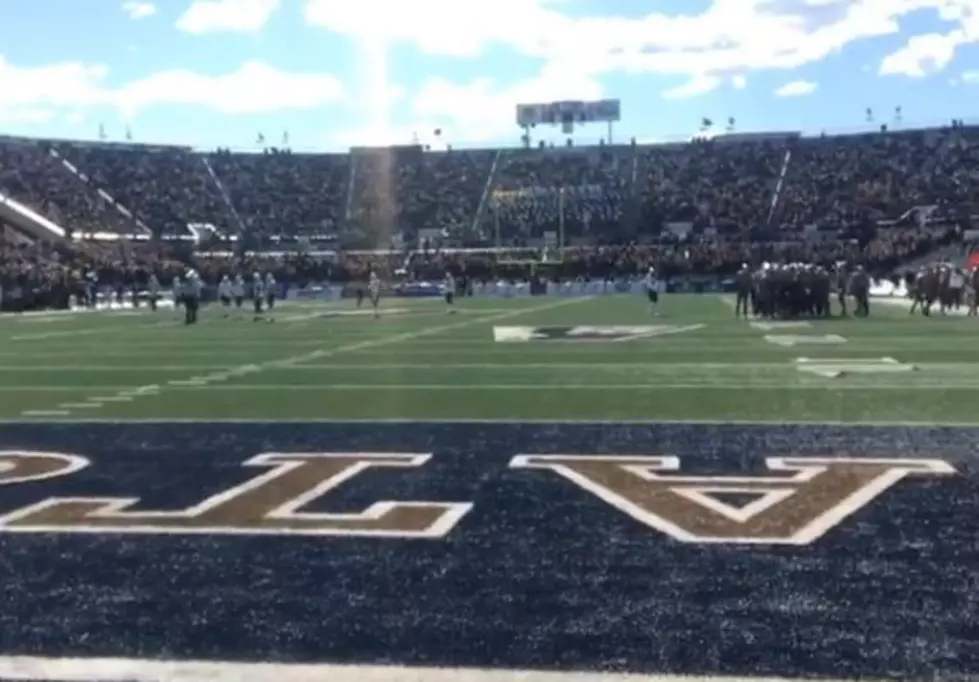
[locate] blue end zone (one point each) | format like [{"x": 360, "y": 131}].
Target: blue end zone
[{"x": 540, "y": 573}]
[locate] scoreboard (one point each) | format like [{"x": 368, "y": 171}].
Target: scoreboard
[{"x": 569, "y": 113}]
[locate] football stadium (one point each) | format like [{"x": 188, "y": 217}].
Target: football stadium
[
  {"x": 547, "y": 407},
  {"x": 480, "y": 496}
]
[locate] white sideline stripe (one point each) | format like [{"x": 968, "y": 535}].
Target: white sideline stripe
[
  {"x": 663, "y": 365},
  {"x": 730, "y": 301},
  {"x": 704, "y": 386},
  {"x": 107, "y": 368},
  {"x": 84, "y": 332},
  {"x": 126, "y": 394},
  {"x": 129, "y": 394},
  {"x": 910, "y": 423},
  {"x": 45, "y": 413},
  {"x": 136, "y": 670},
  {"x": 44, "y": 389}
]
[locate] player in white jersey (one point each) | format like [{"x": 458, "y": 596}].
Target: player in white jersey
[
  {"x": 225, "y": 294},
  {"x": 374, "y": 291},
  {"x": 153, "y": 290},
  {"x": 178, "y": 292},
  {"x": 449, "y": 292},
  {"x": 651, "y": 285},
  {"x": 269, "y": 291},
  {"x": 191, "y": 296},
  {"x": 238, "y": 291},
  {"x": 258, "y": 295}
]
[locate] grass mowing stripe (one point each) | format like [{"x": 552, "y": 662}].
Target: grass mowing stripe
[
  {"x": 71, "y": 333},
  {"x": 201, "y": 381},
  {"x": 658, "y": 386},
  {"x": 542, "y": 421}
]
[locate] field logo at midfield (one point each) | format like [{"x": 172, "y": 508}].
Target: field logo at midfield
[
  {"x": 783, "y": 510},
  {"x": 589, "y": 333}
]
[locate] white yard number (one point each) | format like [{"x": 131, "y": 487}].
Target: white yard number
[
  {"x": 790, "y": 340},
  {"x": 834, "y": 368}
]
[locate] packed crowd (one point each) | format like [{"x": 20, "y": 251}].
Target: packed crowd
[
  {"x": 702, "y": 207},
  {"x": 578, "y": 193},
  {"x": 370, "y": 198}
]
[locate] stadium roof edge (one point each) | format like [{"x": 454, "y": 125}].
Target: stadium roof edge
[{"x": 747, "y": 136}]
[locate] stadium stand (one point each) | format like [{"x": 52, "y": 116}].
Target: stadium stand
[{"x": 705, "y": 206}]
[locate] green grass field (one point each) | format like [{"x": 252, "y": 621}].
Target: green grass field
[{"x": 419, "y": 363}]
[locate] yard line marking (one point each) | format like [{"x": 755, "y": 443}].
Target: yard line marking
[
  {"x": 128, "y": 394},
  {"x": 152, "y": 670},
  {"x": 84, "y": 332},
  {"x": 779, "y": 324},
  {"x": 413, "y": 335},
  {"x": 401, "y": 421},
  {"x": 705, "y": 386},
  {"x": 45, "y": 413},
  {"x": 80, "y": 406},
  {"x": 6, "y": 388},
  {"x": 107, "y": 368},
  {"x": 659, "y": 364}
]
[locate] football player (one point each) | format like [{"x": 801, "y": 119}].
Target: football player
[
  {"x": 269, "y": 293},
  {"x": 177, "y": 290},
  {"x": 449, "y": 291},
  {"x": 374, "y": 291},
  {"x": 191, "y": 295},
  {"x": 153, "y": 289},
  {"x": 744, "y": 282},
  {"x": 258, "y": 295},
  {"x": 652, "y": 289},
  {"x": 225, "y": 294},
  {"x": 238, "y": 291}
]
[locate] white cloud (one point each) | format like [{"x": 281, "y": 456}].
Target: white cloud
[
  {"x": 731, "y": 36},
  {"x": 911, "y": 60},
  {"x": 56, "y": 85},
  {"x": 211, "y": 16},
  {"x": 726, "y": 42},
  {"x": 138, "y": 10},
  {"x": 254, "y": 87},
  {"x": 26, "y": 115},
  {"x": 970, "y": 77},
  {"x": 696, "y": 86},
  {"x": 478, "y": 111},
  {"x": 485, "y": 109},
  {"x": 796, "y": 89}
]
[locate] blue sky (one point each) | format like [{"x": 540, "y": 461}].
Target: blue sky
[{"x": 339, "y": 72}]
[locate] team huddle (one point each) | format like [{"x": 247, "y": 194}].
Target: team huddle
[
  {"x": 805, "y": 290},
  {"x": 948, "y": 286},
  {"x": 795, "y": 290}
]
